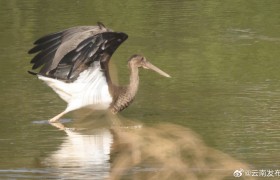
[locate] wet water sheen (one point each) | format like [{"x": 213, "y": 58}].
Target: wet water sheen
[{"x": 218, "y": 113}]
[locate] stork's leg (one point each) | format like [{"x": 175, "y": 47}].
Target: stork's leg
[{"x": 56, "y": 118}]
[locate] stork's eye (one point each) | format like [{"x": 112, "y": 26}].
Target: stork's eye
[{"x": 143, "y": 59}]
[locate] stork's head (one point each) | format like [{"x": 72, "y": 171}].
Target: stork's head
[{"x": 138, "y": 61}]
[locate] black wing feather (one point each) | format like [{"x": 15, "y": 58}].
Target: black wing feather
[
  {"x": 49, "y": 37},
  {"x": 98, "y": 44},
  {"x": 42, "y": 58},
  {"x": 48, "y": 46},
  {"x": 44, "y": 45},
  {"x": 96, "y": 48},
  {"x": 51, "y": 48}
]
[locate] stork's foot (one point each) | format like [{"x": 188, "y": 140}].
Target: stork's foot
[
  {"x": 57, "y": 117},
  {"x": 54, "y": 120}
]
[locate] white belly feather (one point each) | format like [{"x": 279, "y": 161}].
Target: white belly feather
[{"x": 90, "y": 89}]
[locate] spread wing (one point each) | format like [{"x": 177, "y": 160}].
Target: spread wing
[{"x": 65, "y": 54}]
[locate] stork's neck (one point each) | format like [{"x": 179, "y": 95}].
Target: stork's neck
[
  {"x": 133, "y": 81},
  {"x": 126, "y": 94}
]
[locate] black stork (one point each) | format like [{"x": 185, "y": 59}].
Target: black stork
[{"x": 75, "y": 65}]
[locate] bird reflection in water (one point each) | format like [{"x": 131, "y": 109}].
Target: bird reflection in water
[{"x": 162, "y": 151}]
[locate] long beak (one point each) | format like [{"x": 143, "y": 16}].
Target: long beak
[{"x": 148, "y": 65}]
